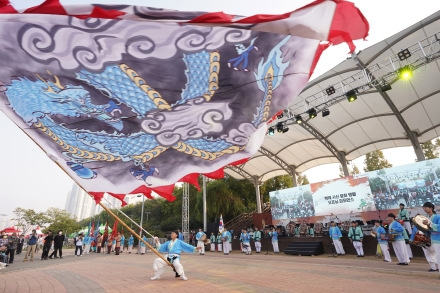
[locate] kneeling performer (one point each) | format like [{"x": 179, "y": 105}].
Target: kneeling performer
[{"x": 173, "y": 247}]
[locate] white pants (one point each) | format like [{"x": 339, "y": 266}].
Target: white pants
[
  {"x": 160, "y": 265},
  {"x": 359, "y": 247},
  {"x": 408, "y": 251},
  {"x": 258, "y": 246},
  {"x": 247, "y": 247},
  {"x": 338, "y": 247},
  {"x": 202, "y": 245},
  {"x": 113, "y": 247},
  {"x": 385, "y": 252},
  {"x": 436, "y": 248},
  {"x": 212, "y": 246},
  {"x": 143, "y": 249},
  {"x": 219, "y": 247},
  {"x": 275, "y": 246},
  {"x": 400, "y": 250},
  {"x": 130, "y": 248},
  {"x": 431, "y": 257},
  {"x": 407, "y": 226},
  {"x": 87, "y": 249},
  {"x": 225, "y": 247}
]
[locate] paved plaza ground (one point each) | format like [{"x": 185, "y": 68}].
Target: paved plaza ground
[{"x": 215, "y": 272}]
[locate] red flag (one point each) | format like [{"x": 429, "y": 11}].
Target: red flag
[
  {"x": 92, "y": 231},
  {"x": 115, "y": 229},
  {"x": 106, "y": 231}
]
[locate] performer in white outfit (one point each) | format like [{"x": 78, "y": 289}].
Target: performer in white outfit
[
  {"x": 335, "y": 235},
  {"x": 394, "y": 228},
  {"x": 274, "y": 234},
  {"x": 225, "y": 239},
  {"x": 246, "y": 238},
  {"x": 219, "y": 242},
  {"x": 404, "y": 216},
  {"x": 429, "y": 252},
  {"x": 200, "y": 243},
  {"x": 257, "y": 239},
  {"x": 381, "y": 239},
  {"x": 356, "y": 237},
  {"x": 212, "y": 240},
  {"x": 173, "y": 247}
]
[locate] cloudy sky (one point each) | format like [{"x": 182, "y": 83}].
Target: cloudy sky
[{"x": 29, "y": 179}]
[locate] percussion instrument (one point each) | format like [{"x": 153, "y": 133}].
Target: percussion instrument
[
  {"x": 223, "y": 239},
  {"x": 206, "y": 241},
  {"x": 373, "y": 234},
  {"x": 422, "y": 240},
  {"x": 203, "y": 238},
  {"x": 418, "y": 222}
]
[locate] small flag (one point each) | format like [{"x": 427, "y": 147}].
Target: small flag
[
  {"x": 115, "y": 229},
  {"x": 220, "y": 225}
]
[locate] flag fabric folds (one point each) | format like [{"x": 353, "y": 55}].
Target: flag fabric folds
[
  {"x": 220, "y": 224},
  {"x": 128, "y": 98}
]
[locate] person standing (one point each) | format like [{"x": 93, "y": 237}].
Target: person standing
[
  {"x": 99, "y": 242},
  {"x": 20, "y": 244},
  {"x": 381, "y": 240},
  {"x": 12, "y": 246},
  {"x": 174, "y": 248},
  {"x": 212, "y": 240},
  {"x": 434, "y": 228},
  {"x": 257, "y": 240},
  {"x": 40, "y": 243},
  {"x": 88, "y": 243},
  {"x": 246, "y": 242},
  {"x": 225, "y": 240},
  {"x": 274, "y": 234},
  {"x": 143, "y": 246},
  {"x": 47, "y": 245},
  {"x": 335, "y": 235},
  {"x": 180, "y": 235},
  {"x": 79, "y": 245},
  {"x": 114, "y": 243},
  {"x": 200, "y": 243},
  {"x": 32, "y": 245},
  {"x": 109, "y": 243},
  {"x": 118, "y": 243},
  {"x": 130, "y": 243},
  {"x": 408, "y": 248},
  {"x": 396, "y": 230},
  {"x": 356, "y": 237},
  {"x": 404, "y": 216},
  {"x": 219, "y": 242},
  {"x": 429, "y": 252},
  {"x": 58, "y": 241}
]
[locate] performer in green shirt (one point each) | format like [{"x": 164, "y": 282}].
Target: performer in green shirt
[
  {"x": 356, "y": 236},
  {"x": 404, "y": 216},
  {"x": 212, "y": 239},
  {"x": 219, "y": 242},
  {"x": 257, "y": 240}
]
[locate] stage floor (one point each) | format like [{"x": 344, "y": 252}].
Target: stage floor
[{"x": 215, "y": 272}]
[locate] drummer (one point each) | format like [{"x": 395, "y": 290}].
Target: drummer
[
  {"x": 200, "y": 242},
  {"x": 394, "y": 228},
  {"x": 404, "y": 216},
  {"x": 380, "y": 235},
  {"x": 434, "y": 227},
  {"x": 429, "y": 252}
]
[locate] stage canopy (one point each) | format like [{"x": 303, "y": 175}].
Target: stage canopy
[{"x": 406, "y": 115}]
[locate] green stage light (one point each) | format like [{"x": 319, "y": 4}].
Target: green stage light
[
  {"x": 271, "y": 131},
  {"x": 405, "y": 72},
  {"x": 298, "y": 119},
  {"x": 312, "y": 113},
  {"x": 351, "y": 96}
]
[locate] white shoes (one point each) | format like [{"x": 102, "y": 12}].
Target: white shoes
[
  {"x": 184, "y": 278},
  {"x": 155, "y": 278}
]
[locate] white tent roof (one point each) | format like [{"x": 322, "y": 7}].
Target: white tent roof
[{"x": 375, "y": 121}]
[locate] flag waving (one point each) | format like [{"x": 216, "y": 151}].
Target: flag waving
[
  {"x": 128, "y": 98},
  {"x": 220, "y": 224}
]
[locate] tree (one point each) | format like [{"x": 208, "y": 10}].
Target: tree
[
  {"x": 275, "y": 183},
  {"x": 59, "y": 219},
  {"x": 27, "y": 218},
  {"x": 352, "y": 170},
  {"x": 302, "y": 180},
  {"x": 375, "y": 161},
  {"x": 430, "y": 149}
]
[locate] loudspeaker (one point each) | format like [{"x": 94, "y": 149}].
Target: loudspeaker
[{"x": 304, "y": 248}]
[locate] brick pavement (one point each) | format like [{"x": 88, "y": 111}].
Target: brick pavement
[{"x": 215, "y": 272}]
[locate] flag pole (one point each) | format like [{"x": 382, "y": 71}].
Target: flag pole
[{"x": 134, "y": 233}]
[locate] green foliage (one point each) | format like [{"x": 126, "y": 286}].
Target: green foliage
[
  {"x": 302, "y": 180},
  {"x": 276, "y": 183},
  {"x": 430, "y": 149},
  {"x": 352, "y": 170},
  {"x": 59, "y": 219},
  {"x": 375, "y": 161},
  {"x": 27, "y": 218}
]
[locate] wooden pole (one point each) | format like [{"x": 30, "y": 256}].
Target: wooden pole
[{"x": 134, "y": 233}]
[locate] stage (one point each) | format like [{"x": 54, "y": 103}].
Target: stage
[{"x": 369, "y": 242}]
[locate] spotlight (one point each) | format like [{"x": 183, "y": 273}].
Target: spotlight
[
  {"x": 404, "y": 54},
  {"x": 325, "y": 112},
  {"x": 298, "y": 119},
  {"x": 312, "y": 113},
  {"x": 385, "y": 87},
  {"x": 271, "y": 131},
  {"x": 330, "y": 90},
  {"x": 280, "y": 127},
  {"x": 351, "y": 96},
  {"x": 405, "y": 72},
  {"x": 285, "y": 129}
]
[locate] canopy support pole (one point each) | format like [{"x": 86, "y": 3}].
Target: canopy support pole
[
  {"x": 293, "y": 170},
  {"x": 344, "y": 164},
  {"x": 205, "y": 224},
  {"x": 257, "y": 194}
]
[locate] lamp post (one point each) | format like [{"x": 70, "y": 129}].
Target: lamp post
[{"x": 142, "y": 219}]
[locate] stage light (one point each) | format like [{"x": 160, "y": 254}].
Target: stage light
[
  {"x": 312, "y": 113},
  {"x": 325, "y": 112},
  {"x": 405, "y": 72},
  {"x": 385, "y": 87},
  {"x": 271, "y": 131},
  {"x": 285, "y": 129},
  {"x": 404, "y": 54},
  {"x": 280, "y": 127},
  {"x": 298, "y": 119},
  {"x": 351, "y": 96},
  {"x": 280, "y": 116},
  {"x": 330, "y": 90}
]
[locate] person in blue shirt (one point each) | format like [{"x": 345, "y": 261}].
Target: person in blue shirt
[
  {"x": 395, "y": 230},
  {"x": 429, "y": 252},
  {"x": 200, "y": 242},
  {"x": 173, "y": 248},
  {"x": 130, "y": 243},
  {"x": 143, "y": 246},
  {"x": 381, "y": 240},
  {"x": 246, "y": 242},
  {"x": 122, "y": 243},
  {"x": 226, "y": 235},
  {"x": 257, "y": 240},
  {"x": 180, "y": 235},
  {"x": 88, "y": 242},
  {"x": 114, "y": 244},
  {"x": 212, "y": 239},
  {"x": 335, "y": 234},
  {"x": 434, "y": 228},
  {"x": 274, "y": 234},
  {"x": 32, "y": 244}
]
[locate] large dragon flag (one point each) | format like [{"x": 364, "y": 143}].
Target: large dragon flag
[{"x": 130, "y": 99}]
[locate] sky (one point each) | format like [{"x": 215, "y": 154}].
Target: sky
[{"x": 29, "y": 179}]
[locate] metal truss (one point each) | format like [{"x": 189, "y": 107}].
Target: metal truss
[
  {"x": 243, "y": 173},
  {"x": 185, "y": 212},
  {"x": 280, "y": 162}
]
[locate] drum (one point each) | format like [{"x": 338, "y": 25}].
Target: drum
[
  {"x": 207, "y": 241},
  {"x": 422, "y": 240},
  {"x": 223, "y": 239},
  {"x": 203, "y": 238},
  {"x": 418, "y": 222}
]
